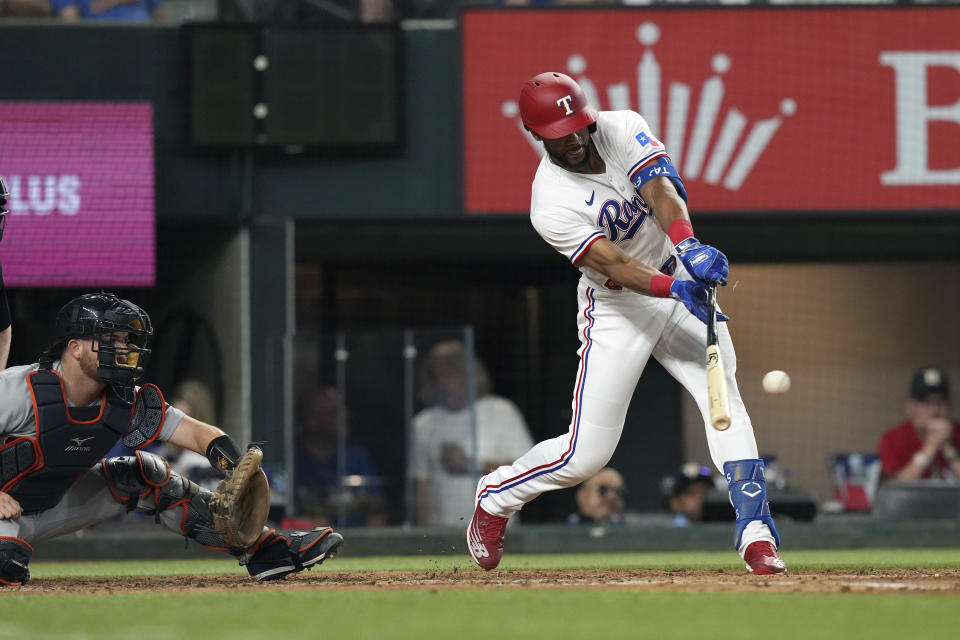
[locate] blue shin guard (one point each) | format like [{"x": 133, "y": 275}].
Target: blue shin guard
[{"x": 748, "y": 494}]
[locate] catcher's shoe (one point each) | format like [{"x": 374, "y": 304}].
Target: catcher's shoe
[
  {"x": 275, "y": 556},
  {"x": 762, "y": 559},
  {"x": 485, "y": 538}
]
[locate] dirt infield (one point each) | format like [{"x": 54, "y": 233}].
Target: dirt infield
[{"x": 945, "y": 581}]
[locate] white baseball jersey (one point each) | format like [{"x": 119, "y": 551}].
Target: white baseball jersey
[
  {"x": 571, "y": 211},
  {"x": 619, "y": 329}
]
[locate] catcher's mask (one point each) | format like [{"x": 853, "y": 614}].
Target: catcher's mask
[
  {"x": 4, "y": 194},
  {"x": 121, "y": 334}
]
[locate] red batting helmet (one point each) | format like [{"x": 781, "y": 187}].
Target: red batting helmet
[{"x": 553, "y": 106}]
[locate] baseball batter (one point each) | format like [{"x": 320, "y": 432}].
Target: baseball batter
[
  {"x": 59, "y": 416},
  {"x": 607, "y": 197}
]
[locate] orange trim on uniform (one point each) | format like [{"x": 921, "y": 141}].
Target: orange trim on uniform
[
  {"x": 322, "y": 536},
  {"x": 183, "y": 518},
  {"x": 183, "y": 523},
  {"x": 20, "y": 540},
  {"x": 38, "y": 461},
  {"x": 25, "y": 544},
  {"x": 263, "y": 536},
  {"x": 37, "y": 453},
  {"x": 66, "y": 405},
  {"x": 143, "y": 474},
  {"x": 106, "y": 476}
]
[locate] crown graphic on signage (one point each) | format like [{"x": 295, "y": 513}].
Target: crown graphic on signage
[{"x": 721, "y": 162}]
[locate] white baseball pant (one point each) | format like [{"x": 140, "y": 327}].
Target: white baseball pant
[{"x": 619, "y": 331}]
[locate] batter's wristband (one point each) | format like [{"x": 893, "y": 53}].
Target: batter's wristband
[
  {"x": 679, "y": 231},
  {"x": 660, "y": 285}
]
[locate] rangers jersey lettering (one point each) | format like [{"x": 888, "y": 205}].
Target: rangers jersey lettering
[{"x": 571, "y": 210}]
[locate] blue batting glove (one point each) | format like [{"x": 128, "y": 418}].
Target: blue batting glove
[
  {"x": 693, "y": 295},
  {"x": 703, "y": 262}
]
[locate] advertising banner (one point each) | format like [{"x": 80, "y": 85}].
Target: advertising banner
[
  {"x": 761, "y": 109},
  {"x": 81, "y": 181}
]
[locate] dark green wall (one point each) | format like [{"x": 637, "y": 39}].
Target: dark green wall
[{"x": 56, "y": 62}]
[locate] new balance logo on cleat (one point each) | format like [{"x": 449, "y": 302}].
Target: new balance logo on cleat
[
  {"x": 478, "y": 550},
  {"x": 485, "y": 538}
]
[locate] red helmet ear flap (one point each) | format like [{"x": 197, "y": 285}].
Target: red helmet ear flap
[{"x": 553, "y": 106}]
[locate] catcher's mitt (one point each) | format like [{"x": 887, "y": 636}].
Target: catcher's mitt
[{"x": 241, "y": 502}]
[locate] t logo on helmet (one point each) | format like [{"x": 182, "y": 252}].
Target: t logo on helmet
[{"x": 565, "y": 103}]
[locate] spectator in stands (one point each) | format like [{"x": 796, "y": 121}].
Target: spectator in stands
[
  {"x": 130, "y": 10},
  {"x": 317, "y": 485},
  {"x": 24, "y": 8},
  {"x": 443, "y": 460},
  {"x": 685, "y": 492},
  {"x": 601, "y": 500},
  {"x": 926, "y": 444}
]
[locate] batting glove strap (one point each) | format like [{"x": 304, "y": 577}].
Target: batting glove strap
[
  {"x": 748, "y": 495},
  {"x": 703, "y": 262},
  {"x": 693, "y": 295}
]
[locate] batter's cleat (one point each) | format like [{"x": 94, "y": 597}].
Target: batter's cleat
[
  {"x": 275, "y": 556},
  {"x": 762, "y": 559},
  {"x": 485, "y": 538}
]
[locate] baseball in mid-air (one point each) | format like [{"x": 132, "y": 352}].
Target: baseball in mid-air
[{"x": 776, "y": 382}]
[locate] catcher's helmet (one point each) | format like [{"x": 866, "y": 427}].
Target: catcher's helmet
[
  {"x": 553, "y": 106},
  {"x": 102, "y": 316}
]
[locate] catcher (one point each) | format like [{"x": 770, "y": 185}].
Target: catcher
[{"x": 59, "y": 416}]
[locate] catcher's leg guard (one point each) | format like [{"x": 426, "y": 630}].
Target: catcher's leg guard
[
  {"x": 748, "y": 495},
  {"x": 14, "y": 558},
  {"x": 145, "y": 482},
  {"x": 275, "y": 556}
]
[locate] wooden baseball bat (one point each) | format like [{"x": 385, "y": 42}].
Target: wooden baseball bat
[{"x": 716, "y": 376}]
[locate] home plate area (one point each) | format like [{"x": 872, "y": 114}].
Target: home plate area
[{"x": 946, "y": 581}]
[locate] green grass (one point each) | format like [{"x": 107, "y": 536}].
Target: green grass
[
  {"x": 494, "y": 614},
  {"x": 487, "y": 614}
]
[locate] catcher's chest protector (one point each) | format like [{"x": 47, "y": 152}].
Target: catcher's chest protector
[{"x": 37, "y": 470}]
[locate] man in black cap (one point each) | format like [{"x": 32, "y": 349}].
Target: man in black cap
[
  {"x": 684, "y": 492},
  {"x": 925, "y": 445}
]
